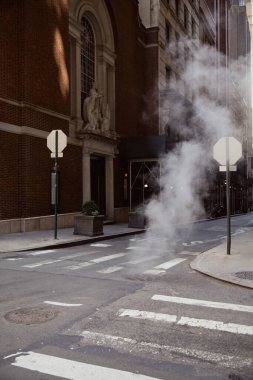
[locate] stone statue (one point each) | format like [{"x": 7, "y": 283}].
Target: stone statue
[
  {"x": 96, "y": 114},
  {"x": 91, "y": 109},
  {"x": 106, "y": 118}
]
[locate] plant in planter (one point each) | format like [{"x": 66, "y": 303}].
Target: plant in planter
[
  {"x": 90, "y": 223},
  {"x": 90, "y": 208},
  {"x": 137, "y": 218}
]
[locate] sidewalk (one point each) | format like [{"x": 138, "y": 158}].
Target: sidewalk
[
  {"x": 24, "y": 241},
  {"x": 236, "y": 268}
]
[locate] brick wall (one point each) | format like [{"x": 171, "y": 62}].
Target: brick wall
[
  {"x": 35, "y": 181},
  {"x": 10, "y": 41},
  {"x": 34, "y": 64},
  {"x": 9, "y": 175},
  {"x": 135, "y": 88},
  {"x": 34, "y": 72},
  {"x": 25, "y": 167},
  {"x": 46, "y": 54}
]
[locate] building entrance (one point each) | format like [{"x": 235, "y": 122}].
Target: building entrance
[
  {"x": 97, "y": 182},
  {"x": 144, "y": 181}
]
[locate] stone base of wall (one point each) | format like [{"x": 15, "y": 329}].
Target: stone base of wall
[
  {"x": 121, "y": 214},
  {"x": 36, "y": 223},
  {"x": 47, "y": 222}
]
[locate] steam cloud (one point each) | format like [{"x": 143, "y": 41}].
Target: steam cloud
[{"x": 197, "y": 126}]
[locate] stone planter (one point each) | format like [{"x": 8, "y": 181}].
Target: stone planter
[
  {"x": 136, "y": 220},
  {"x": 88, "y": 225}
]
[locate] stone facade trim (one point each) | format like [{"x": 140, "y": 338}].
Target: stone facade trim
[
  {"x": 23, "y": 130},
  {"x": 35, "y": 108}
]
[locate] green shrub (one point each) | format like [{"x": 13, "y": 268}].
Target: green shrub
[{"x": 90, "y": 208}]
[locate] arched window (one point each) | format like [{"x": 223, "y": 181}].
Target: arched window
[{"x": 87, "y": 59}]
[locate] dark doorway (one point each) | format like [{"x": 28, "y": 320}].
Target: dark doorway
[{"x": 97, "y": 181}]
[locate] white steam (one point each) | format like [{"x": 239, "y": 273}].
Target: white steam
[{"x": 198, "y": 124}]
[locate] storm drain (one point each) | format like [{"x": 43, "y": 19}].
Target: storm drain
[
  {"x": 248, "y": 275},
  {"x": 31, "y": 315}
]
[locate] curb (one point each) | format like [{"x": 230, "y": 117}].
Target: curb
[
  {"x": 75, "y": 243},
  {"x": 195, "y": 265}
]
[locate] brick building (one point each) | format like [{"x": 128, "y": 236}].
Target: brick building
[{"x": 54, "y": 53}]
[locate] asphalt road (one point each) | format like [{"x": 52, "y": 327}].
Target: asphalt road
[{"x": 127, "y": 308}]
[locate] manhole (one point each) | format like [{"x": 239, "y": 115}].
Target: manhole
[
  {"x": 31, "y": 315},
  {"x": 247, "y": 275}
]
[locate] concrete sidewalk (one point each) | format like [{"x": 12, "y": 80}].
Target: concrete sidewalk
[
  {"x": 236, "y": 268},
  {"x": 24, "y": 241}
]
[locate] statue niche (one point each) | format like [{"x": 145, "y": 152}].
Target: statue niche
[{"x": 96, "y": 114}]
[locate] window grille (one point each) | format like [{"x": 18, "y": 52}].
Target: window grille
[{"x": 87, "y": 58}]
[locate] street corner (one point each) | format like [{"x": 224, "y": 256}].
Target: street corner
[{"x": 233, "y": 268}]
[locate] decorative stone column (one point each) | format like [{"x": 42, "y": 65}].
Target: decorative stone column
[
  {"x": 109, "y": 185},
  {"x": 75, "y": 31},
  {"x": 86, "y": 175}
]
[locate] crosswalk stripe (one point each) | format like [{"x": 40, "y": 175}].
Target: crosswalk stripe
[
  {"x": 70, "y": 369},
  {"x": 216, "y": 305},
  {"x": 69, "y": 257},
  {"x": 155, "y": 272},
  {"x": 63, "y": 304},
  {"x": 131, "y": 345},
  {"x": 147, "y": 315},
  {"x": 46, "y": 262},
  {"x": 169, "y": 264},
  {"x": 107, "y": 258},
  {"x": 110, "y": 270},
  {"x": 43, "y": 252},
  {"x": 95, "y": 261},
  {"x": 79, "y": 266},
  {"x": 100, "y": 245},
  {"x": 63, "y": 258},
  {"x": 216, "y": 325},
  {"x": 188, "y": 253},
  {"x": 15, "y": 258},
  {"x": 185, "y": 321},
  {"x": 142, "y": 260},
  {"x": 164, "y": 266}
]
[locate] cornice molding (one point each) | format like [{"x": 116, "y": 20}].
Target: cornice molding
[
  {"x": 35, "y": 108},
  {"x": 28, "y": 131}
]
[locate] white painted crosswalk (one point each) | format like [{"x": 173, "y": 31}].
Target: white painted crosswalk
[
  {"x": 186, "y": 321},
  {"x": 159, "y": 315},
  {"x": 216, "y": 305},
  {"x": 234, "y": 328},
  {"x": 64, "y": 304},
  {"x": 95, "y": 261},
  {"x": 63, "y": 258},
  {"x": 170, "y": 351},
  {"x": 107, "y": 258},
  {"x": 141, "y": 314},
  {"x": 70, "y": 369},
  {"x": 230, "y": 327},
  {"x": 110, "y": 270},
  {"x": 40, "y": 264},
  {"x": 147, "y": 264},
  {"x": 161, "y": 268}
]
